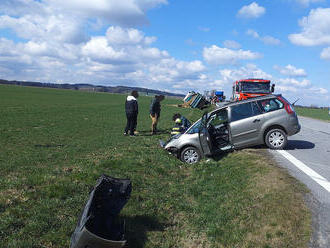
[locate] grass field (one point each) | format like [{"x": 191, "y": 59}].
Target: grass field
[
  {"x": 56, "y": 143},
  {"x": 321, "y": 114}
]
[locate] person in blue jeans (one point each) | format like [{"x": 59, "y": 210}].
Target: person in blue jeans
[{"x": 132, "y": 110}]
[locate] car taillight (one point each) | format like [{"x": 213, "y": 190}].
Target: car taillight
[
  {"x": 289, "y": 109},
  {"x": 287, "y": 106}
]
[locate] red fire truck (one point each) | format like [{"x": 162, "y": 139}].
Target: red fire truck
[{"x": 248, "y": 88}]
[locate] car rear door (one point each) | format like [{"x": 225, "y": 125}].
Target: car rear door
[{"x": 245, "y": 122}]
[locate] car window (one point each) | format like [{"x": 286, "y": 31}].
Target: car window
[
  {"x": 195, "y": 127},
  {"x": 256, "y": 109},
  {"x": 269, "y": 105},
  {"x": 218, "y": 118},
  {"x": 242, "y": 111}
]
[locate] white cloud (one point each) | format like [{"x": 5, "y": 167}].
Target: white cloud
[
  {"x": 247, "y": 71},
  {"x": 122, "y": 46},
  {"x": 118, "y": 35},
  {"x": 197, "y": 84},
  {"x": 268, "y": 40},
  {"x": 7, "y": 48},
  {"x": 121, "y": 56},
  {"x": 303, "y": 90},
  {"x": 291, "y": 71},
  {"x": 286, "y": 88},
  {"x": 217, "y": 84},
  {"x": 59, "y": 49},
  {"x": 37, "y": 28},
  {"x": 217, "y": 55},
  {"x": 97, "y": 49},
  {"x": 251, "y": 11},
  {"x": 21, "y": 7},
  {"x": 118, "y": 12},
  {"x": 66, "y": 52},
  {"x": 180, "y": 75},
  {"x": 303, "y": 93},
  {"x": 306, "y": 3},
  {"x": 231, "y": 44},
  {"x": 294, "y": 82},
  {"x": 317, "y": 90},
  {"x": 315, "y": 29},
  {"x": 171, "y": 70},
  {"x": 68, "y": 15},
  {"x": 252, "y": 33},
  {"x": 325, "y": 54}
]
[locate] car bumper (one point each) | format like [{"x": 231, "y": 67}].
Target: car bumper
[
  {"x": 293, "y": 129},
  {"x": 162, "y": 143},
  {"x": 298, "y": 128},
  {"x": 172, "y": 150}
]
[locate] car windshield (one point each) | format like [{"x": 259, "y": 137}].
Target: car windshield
[
  {"x": 195, "y": 127},
  {"x": 252, "y": 87}
]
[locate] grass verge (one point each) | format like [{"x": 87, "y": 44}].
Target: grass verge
[
  {"x": 56, "y": 143},
  {"x": 321, "y": 114}
]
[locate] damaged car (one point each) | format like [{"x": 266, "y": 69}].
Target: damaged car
[{"x": 265, "y": 120}]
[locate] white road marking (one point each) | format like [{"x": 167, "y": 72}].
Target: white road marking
[{"x": 311, "y": 173}]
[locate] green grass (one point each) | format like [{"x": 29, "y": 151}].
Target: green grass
[
  {"x": 321, "y": 114},
  {"x": 56, "y": 143}
]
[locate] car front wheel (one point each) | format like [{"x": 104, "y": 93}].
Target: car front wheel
[
  {"x": 276, "y": 139},
  {"x": 190, "y": 155}
]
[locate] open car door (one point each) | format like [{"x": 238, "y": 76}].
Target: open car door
[
  {"x": 204, "y": 136},
  {"x": 219, "y": 131}
]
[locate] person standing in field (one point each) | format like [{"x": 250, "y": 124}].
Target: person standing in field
[
  {"x": 155, "y": 112},
  {"x": 132, "y": 110}
]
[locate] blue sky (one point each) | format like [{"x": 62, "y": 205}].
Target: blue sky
[{"x": 176, "y": 46}]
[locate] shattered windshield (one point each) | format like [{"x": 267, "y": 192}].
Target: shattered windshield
[{"x": 252, "y": 87}]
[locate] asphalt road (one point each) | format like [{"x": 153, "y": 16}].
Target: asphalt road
[{"x": 307, "y": 158}]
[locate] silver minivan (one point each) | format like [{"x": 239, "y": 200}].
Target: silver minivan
[{"x": 261, "y": 120}]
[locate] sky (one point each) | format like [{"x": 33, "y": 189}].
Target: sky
[{"x": 177, "y": 46}]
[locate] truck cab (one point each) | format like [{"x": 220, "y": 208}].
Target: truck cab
[{"x": 248, "y": 88}]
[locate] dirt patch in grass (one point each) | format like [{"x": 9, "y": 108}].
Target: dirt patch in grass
[{"x": 10, "y": 196}]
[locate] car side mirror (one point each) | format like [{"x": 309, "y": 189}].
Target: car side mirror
[{"x": 273, "y": 88}]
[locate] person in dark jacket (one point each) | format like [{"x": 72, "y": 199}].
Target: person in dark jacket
[
  {"x": 155, "y": 112},
  {"x": 184, "y": 122},
  {"x": 132, "y": 110}
]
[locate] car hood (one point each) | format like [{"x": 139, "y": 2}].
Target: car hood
[{"x": 171, "y": 142}]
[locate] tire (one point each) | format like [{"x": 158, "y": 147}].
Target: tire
[
  {"x": 190, "y": 155},
  {"x": 276, "y": 139}
]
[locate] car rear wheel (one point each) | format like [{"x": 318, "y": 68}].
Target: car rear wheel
[
  {"x": 276, "y": 139},
  {"x": 190, "y": 155}
]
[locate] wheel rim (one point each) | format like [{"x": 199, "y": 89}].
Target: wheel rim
[
  {"x": 190, "y": 156},
  {"x": 276, "y": 139}
]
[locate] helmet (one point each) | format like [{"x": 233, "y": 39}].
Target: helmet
[{"x": 178, "y": 121}]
